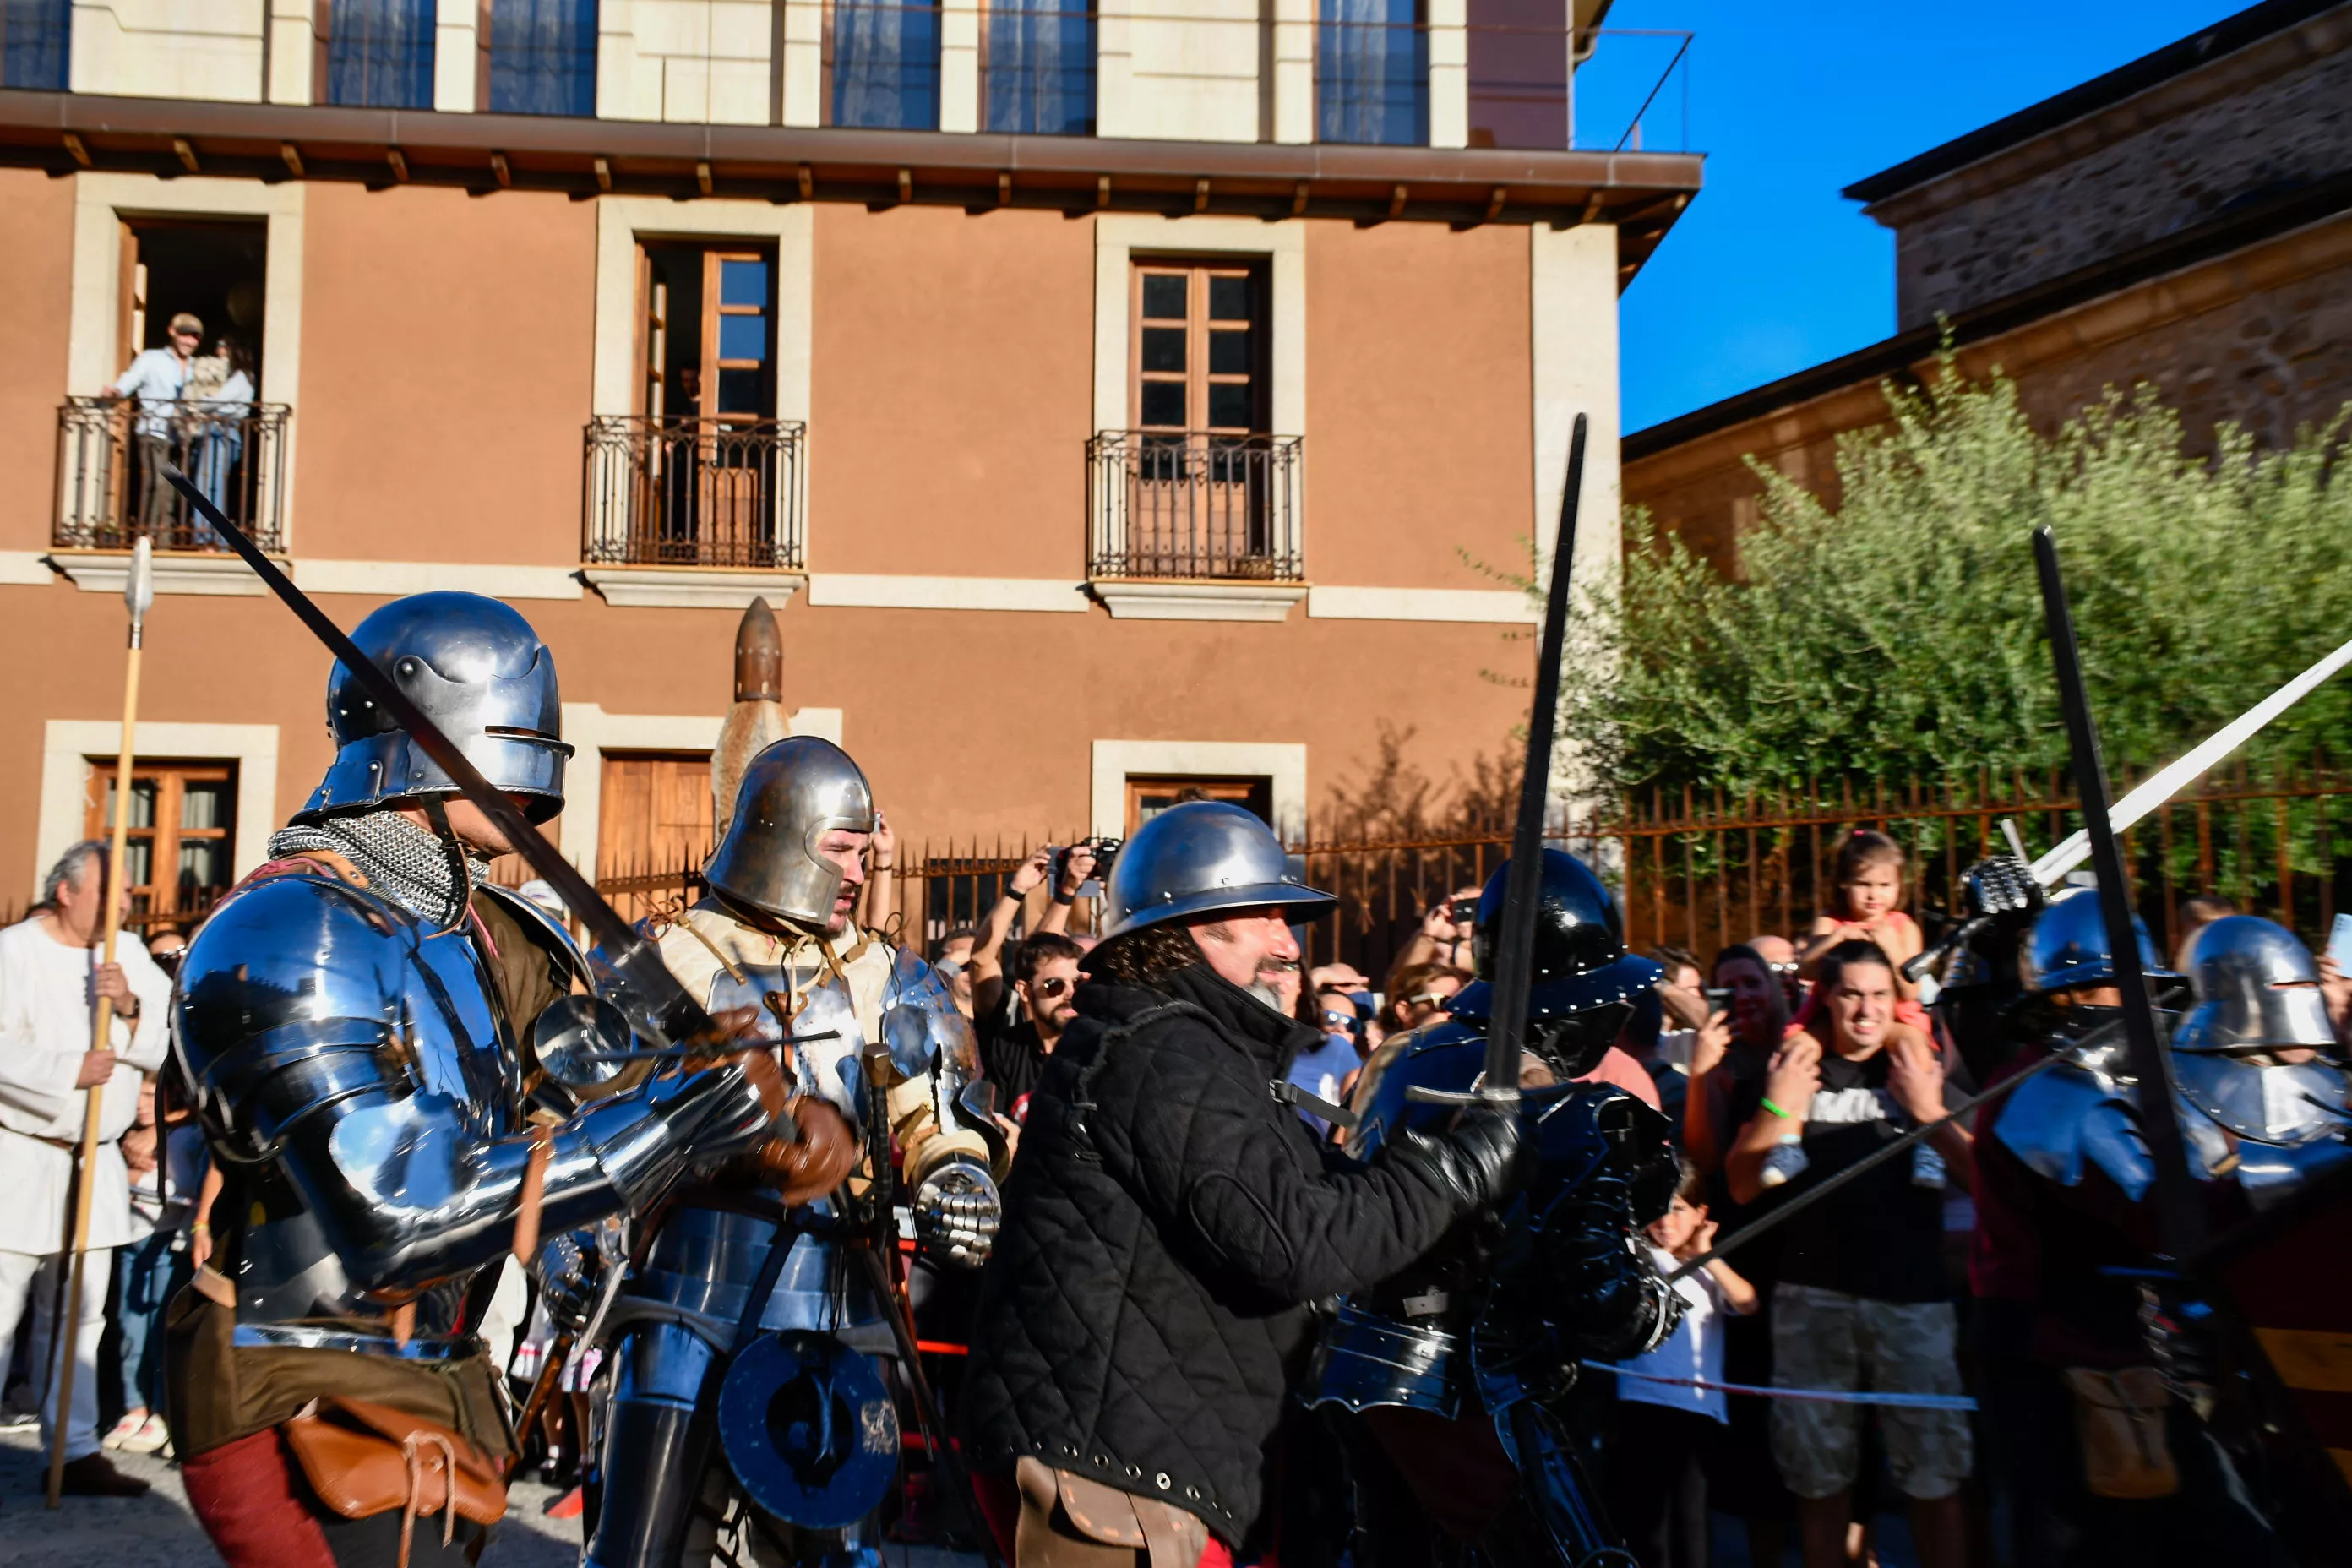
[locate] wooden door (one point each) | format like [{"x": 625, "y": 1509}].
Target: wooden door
[
  {"x": 180, "y": 837},
  {"x": 652, "y": 825},
  {"x": 1199, "y": 392}
]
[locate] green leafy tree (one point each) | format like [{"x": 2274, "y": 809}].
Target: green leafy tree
[{"x": 1900, "y": 634}]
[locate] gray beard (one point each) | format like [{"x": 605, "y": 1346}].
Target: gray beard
[{"x": 401, "y": 860}]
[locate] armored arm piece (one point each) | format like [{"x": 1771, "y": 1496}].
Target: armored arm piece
[
  {"x": 1623, "y": 1307},
  {"x": 1609, "y": 1303},
  {"x": 953, "y": 1154},
  {"x": 317, "y": 1040}
]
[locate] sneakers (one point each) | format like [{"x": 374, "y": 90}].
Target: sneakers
[
  {"x": 147, "y": 1437},
  {"x": 94, "y": 1475}
]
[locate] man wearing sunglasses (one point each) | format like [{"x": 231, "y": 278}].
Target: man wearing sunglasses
[{"x": 1045, "y": 977}]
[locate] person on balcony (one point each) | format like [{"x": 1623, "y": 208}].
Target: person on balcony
[
  {"x": 223, "y": 390},
  {"x": 157, "y": 377}
]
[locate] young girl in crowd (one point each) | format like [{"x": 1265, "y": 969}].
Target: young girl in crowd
[
  {"x": 1869, "y": 890},
  {"x": 1668, "y": 1431}
]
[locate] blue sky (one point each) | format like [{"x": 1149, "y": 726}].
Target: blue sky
[{"x": 1771, "y": 270}]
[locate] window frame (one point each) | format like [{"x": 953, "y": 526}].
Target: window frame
[
  {"x": 165, "y": 832},
  {"x": 1252, "y": 793},
  {"x": 1201, "y": 328}
]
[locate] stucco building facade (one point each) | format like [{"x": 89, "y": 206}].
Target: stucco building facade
[{"x": 1118, "y": 417}]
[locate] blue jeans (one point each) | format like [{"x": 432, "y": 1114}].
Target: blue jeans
[{"x": 146, "y": 1275}]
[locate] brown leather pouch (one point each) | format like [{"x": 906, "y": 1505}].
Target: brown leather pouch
[
  {"x": 363, "y": 1458},
  {"x": 2119, "y": 1420},
  {"x": 1165, "y": 1535}
]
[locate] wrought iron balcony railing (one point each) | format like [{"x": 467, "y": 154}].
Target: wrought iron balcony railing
[
  {"x": 1170, "y": 504},
  {"x": 694, "y": 492},
  {"x": 110, "y": 486}
]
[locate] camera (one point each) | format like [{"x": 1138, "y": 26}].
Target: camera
[
  {"x": 1105, "y": 851},
  {"x": 1718, "y": 998}
]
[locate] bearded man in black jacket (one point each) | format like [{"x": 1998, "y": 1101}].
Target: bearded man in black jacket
[{"x": 1170, "y": 1219}]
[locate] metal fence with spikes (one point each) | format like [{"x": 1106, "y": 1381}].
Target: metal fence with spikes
[
  {"x": 1691, "y": 871},
  {"x": 1700, "y": 872}
]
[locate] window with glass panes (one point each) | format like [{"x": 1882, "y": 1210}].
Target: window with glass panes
[
  {"x": 181, "y": 834},
  {"x": 703, "y": 336},
  {"x": 1198, "y": 347}
]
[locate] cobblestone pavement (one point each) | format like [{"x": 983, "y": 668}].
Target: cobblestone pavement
[{"x": 158, "y": 1532}]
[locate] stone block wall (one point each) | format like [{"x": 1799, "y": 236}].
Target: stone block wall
[{"x": 2274, "y": 114}]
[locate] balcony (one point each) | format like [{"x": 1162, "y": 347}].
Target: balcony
[
  {"x": 1188, "y": 525},
  {"x": 111, "y": 490},
  {"x": 703, "y": 512}
]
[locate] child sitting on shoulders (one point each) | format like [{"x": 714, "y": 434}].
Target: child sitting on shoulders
[
  {"x": 1667, "y": 1430},
  {"x": 1869, "y": 890}
]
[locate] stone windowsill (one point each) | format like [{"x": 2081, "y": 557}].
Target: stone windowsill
[
  {"x": 690, "y": 588},
  {"x": 1130, "y": 599}
]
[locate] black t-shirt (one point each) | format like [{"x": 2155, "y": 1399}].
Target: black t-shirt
[
  {"x": 1012, "y": 1059},
  {"x": 1881, "y": 1237}
]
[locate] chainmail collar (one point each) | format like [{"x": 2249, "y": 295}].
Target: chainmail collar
[{"x": 401, "y": 860}]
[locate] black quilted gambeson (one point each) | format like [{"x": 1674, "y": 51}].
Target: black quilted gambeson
[{"x": 1166, "y": 1224}]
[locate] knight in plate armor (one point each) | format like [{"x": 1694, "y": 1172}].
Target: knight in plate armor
[
  {"x": 1455, "y": 1367},
  {"x": 2066, "y": 1261},
  {"x": 356, "y": 1018},
  {"x": 735, "y": 1275}
]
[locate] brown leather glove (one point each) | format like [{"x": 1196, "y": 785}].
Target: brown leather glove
[{"x": 817, "y": 1162}]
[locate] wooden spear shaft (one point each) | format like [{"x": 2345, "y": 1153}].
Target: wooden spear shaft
[{"x": 138, "y": 593}]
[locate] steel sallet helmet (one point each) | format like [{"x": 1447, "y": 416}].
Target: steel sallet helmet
[
  {"x": 1198, "y": 858},
  {"x": 480, "y": 673},
  {"x": 1580, "y": 962},
  {"x": 794, "y": 792},
  {"x": 2257, "y": 989},
  {"x": 2069, "y": 947}
]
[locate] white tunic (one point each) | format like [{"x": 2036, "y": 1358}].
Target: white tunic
[{"x": 45, "y": 1029}]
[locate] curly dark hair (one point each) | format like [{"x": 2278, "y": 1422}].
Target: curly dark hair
[{"x": 1143, "y": 957}]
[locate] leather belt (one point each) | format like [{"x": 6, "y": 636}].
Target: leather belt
[{"x": 302, "y": 1336}]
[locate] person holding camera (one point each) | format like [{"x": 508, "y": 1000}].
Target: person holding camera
[
  {"x": 1444, "y": 933},
  {"x": 1068, "y": 870}
]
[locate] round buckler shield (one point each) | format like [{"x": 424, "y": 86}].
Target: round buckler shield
[{"x": 809, "y": 1428}]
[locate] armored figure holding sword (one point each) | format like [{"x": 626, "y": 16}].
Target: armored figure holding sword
[
  {"x": 1451, "y": 1366},
  {"x": 366, "y": 1021},
  {"x": 743, "y": 1299}
]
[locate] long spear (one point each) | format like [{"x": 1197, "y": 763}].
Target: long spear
[{"x": 138, "y": 594}]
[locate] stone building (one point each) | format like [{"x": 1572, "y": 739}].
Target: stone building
[{"x": 2184, "y": 221}]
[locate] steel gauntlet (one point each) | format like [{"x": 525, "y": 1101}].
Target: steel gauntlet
[{"x": 957, "y": 1212}]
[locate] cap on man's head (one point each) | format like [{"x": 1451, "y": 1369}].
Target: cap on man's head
[{"x": 184, "y": 322}]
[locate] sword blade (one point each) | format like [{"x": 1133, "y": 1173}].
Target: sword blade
[
  {"x": 651, "y": 997},
  {"x": 1515, "y": 943},
  {"x": 2076, "y": 849},
  {"x": 2181, "y": 1219}
]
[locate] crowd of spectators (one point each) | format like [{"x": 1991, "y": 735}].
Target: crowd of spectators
[{"x": 1779, "y": 1063}]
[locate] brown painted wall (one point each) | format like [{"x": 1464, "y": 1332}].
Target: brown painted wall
[
  {"x": 36, "y": 265},
  {"x": 1417, "y": 395},
  {"x": 447, "y": 350},
  {"x": 446, "y": 363},
  {"x": 951, "y": 383},
  {"x": 969, "y": 722}
]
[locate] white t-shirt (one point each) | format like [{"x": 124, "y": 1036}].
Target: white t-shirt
[{"x": 1694, "y": 1351}]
